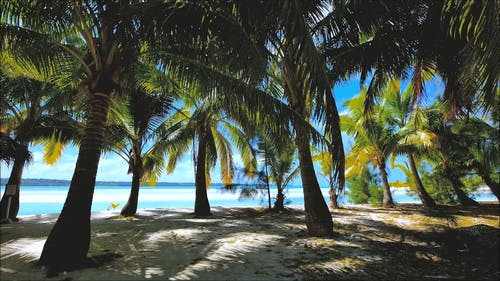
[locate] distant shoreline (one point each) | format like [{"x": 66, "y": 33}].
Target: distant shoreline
[{"x": 54, "y": 182}]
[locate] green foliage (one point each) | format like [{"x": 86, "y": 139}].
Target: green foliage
[
  {"x": 364, "y": 188},
  {"x": 440, "y": 188}
]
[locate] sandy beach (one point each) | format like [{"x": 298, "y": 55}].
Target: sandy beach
[{"x": 255, "y": 244}]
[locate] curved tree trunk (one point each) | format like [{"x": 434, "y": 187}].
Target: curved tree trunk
[
  {"x": 14, "y": 179},
  {"x": 457, "y": 185},
  {"x": 318, "y": 218},
  {"x": 201, "y": 204},
  {"x": 426, "y": 199},
  {"x": 494, "y": 186},
  {"x": 68, "y": 243},
  {"x": 387, "y": 201},
  {"x": 131, "y": 207},
  {"x": 279, "y": 204}
]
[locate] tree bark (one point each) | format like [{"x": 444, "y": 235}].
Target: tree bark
[
  {"x": 318, "y": 218},
  {"x": 494, "y": 186},
  {"x": 14, "y": 179},
  {"x": 333, "y": 198},
  {"x": 279, "y": 204},
  {"x": 68, "y": 242},
  {"x": 426, "y": 199},
  {"x": 201, "y": 204},
  {"x": 387, "y": 201},
  {"x": 131, "y": 207},
  {"x": 457, "y": 185}
]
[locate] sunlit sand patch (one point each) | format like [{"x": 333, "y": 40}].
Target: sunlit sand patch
[
  {"x": 152, "y": 239},
  {"x": 26, "y": 248},
  {"x": 227, "y": 250},
  {"x": 205, "y": 221}
]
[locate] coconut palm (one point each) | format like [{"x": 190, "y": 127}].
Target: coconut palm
[
  {"x": 104, "y": 38},
  {"x": 452, "y": 158},
  {"x": 34, "y": 112},
  {"x": 139, "y": 133},
  {"x": 301, "y": 72},
  {"x": 409, "y": 124},
  {"x": 280, "y": 165},
  {"x": 456, "y": 40},
  {"x": 479, "y": 138},
  {"x": 208, "y": 127},
  {"x": 327, "y": 171},
  {"x": 477, "y": 23},
  {"x": 9, "y": 149},
  {"x": 374, "y": 142}
]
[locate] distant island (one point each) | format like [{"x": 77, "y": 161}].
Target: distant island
[{"x": 53, "y": 182}]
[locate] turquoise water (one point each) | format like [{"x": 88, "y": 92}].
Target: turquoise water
[{"x": 50, "y": 199}]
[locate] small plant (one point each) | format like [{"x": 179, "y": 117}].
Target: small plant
[{"x": 113, "y": 206}]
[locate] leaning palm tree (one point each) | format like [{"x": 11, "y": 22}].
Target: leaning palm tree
[
  {"x": 478, "y": 138},
  {"x": 373, "y": 142},
  {"x": 452, "y": 158},
  {"x": 139, "y": 133},
  {"x": 409, "y": 123},
  {"x": 33, "y": 112}
]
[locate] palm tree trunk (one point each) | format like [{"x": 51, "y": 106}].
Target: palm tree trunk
[
  {"x": 387, "y": 201},
  {"x": 427, "y": 200},
  {"x": 131, "y": 207},
  {"x": 201, "y": 204},
  {"x": 457, "y": 185},
  {"x": 279, "y": 204},
  {"x": 494, "y": 186},
  {"x": 333, "y": 198},
  {"x": 14, "y": 179},
  {"x": 68, "y": 242},
  {"x": 318, "y": 218}
]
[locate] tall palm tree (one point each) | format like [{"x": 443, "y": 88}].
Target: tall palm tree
[
  {"x": 210, "y": 127},
  {"x": 301, "y": 71},
  {"x": 104, "y": 38},
  {"x": 33, "y": 112},
  {"x": 373, "y": 141},
  {"x": 139, "y": 132},
  {"x": 409, "y": 124}
]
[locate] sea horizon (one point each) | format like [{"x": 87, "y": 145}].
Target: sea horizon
[{"x": 48, "y": 199}]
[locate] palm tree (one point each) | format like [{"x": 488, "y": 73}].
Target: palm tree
[
  {"x": 327, "y": 171},
  {"x": 139, "y": 133},
  {"x": 454, "y": 39},
  {"x": 104, "y": 38},
  {"x": 280, "y": 165},
  {"x": 33, "y": 112},
  {"x": 210, "y": 126},
  {"x": 301, "y": 71},
  {"x": 477, "y": 137},
  {"x": 9, "y": 149},
  {"x": 409, "y": 123},
  {"x": 373, "y": 142},
  {"x": 453, "y": 157}
]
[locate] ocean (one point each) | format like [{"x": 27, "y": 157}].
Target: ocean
[{"x": 50, "y": 199}]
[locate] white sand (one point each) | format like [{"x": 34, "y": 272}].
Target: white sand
[{"x": 234, "y": 243}]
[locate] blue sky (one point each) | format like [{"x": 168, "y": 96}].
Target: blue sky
[{"x": 114, "y": 168}]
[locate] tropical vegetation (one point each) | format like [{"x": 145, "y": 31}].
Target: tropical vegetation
[{"x": 256, "y": 76}]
